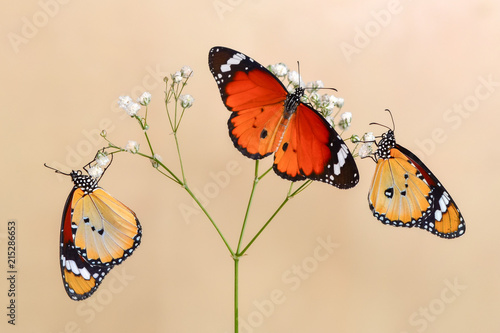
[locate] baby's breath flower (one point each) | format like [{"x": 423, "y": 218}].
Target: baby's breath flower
[
  {"x": 315, "y": 85},
  {"x": 154, "y": 161},
  {"x": 104, "y": 133},
  {"x": 186, "y": 101},
  {"x": 102, "y": 159},
  {"x": 280, "y": 70},
  {"x": 329, "y": 119},
  {"x": 339, "y": 102},
  {"x": 124, "y": 101},
  {"x": 132, "y": 109},
  {"x": 368, "y": 137},
  {"x": 127, "y": 104},
  {"x": 315, "y": 100},
  {"x": 132, "y": 147},
  {"x": 144, "y": 99},
  {"x": 294, "y": 78},
  {"x": 186, "y": 72},
  {"x": 345, "y": 120},
  {"x": 365, "y": 150},
  {"x": 355, "y": 138},
  {"x": 176, "y": 77},
  {"x": 327, "y": 103},
  {"x": 95, "y": 171}
]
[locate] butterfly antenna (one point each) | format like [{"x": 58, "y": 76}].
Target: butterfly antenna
[
  {"x": 381, "y": 125},
  {"x": 393, "y": 124},
  {"x": 56, "y": 170},
  {"x": 392, "y": 118}
]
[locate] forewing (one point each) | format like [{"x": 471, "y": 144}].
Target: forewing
[{"x": 256, "y": 98}]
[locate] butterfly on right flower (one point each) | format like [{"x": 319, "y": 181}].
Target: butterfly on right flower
[{"x": 405, "y": 193}]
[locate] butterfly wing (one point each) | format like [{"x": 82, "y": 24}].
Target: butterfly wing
[
  {"x": 405, "y": 193},
  {"x": 445, "y": 219},
  {"x": 97, "y": 233},
  {"x": 311, "y": 148},
  {"x": 306, "y": 145},
  {"x": 105, "y": 231},
  {"x": 256, "y": 98},
  {"x": 80, "y": 278}
]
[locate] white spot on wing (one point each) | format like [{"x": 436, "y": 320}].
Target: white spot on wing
[
  {"x": 85, "y": 273},
  {"x": 336, "y": 169}
]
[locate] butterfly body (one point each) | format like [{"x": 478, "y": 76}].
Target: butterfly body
[
  {"x": 97, "y": 233},
  {"x": 267, "y": 119},
  {"x": 404, "y": 192}
]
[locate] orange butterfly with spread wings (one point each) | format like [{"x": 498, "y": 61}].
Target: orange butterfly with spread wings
[
  {"x": 405, "y": 193},
  {"x": 266, "y": 119},
  {"x": 97, "y": 233}
]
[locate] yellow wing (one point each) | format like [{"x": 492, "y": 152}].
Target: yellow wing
[{"x": 105, "y": 231}]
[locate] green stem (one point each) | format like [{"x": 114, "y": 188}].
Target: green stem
[
  {"x": 288, "y": 197},
  {"x": 265, "y": 225},
  {"x": 236, "y": 278},
  {"x": 180, "y": 158},
  {"x": 254, "y": 185},
  {"x": 210, "y": 218}
]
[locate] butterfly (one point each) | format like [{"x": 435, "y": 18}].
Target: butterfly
[
  {"x": 97, "y": 233},
  {"x": 404, "y": 192},
  {"x": 266, "y": 119}
]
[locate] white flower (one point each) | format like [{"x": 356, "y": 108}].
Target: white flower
[
  {"x": 127, "y": 104},
  {"x": 315, "y": 85},
  {"x": 329, "y": 119},
  {"x": 345, "y": 120},
  {"x": 186, "y": 101},
  {"x": 176, "y": 77},
  {"x": 186, "y": 71},
  {"x": 132, "y": 147},
  {"x": 95, "y": 171},
  {"x": 132, "y": 109},
  {"x": 327, "y": 102},
  {"x": 280, "y": 70},
  {"x": 339, "y": 102},
  {"x": 294, "y": 78},
  {"x": 144, "y": 99},
  {"x": 368, "y": 137},
  {"x": 365, "y": 150},
  {"x": 154, "y": 161},
  {"x": 124, "y": 101},
  {"x": 102, "y": 159},
  {"x": 314, "y": 99},
  {"x": 355, "y": 138}
]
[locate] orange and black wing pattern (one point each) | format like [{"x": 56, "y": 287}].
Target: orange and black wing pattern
[
  {"x": 404, "y": 192},
  {"x": 266, "y": 119},
  {"x": 97, "y": 233}
]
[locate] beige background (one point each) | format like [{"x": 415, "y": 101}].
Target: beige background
[{"x": 60, "y": 82}]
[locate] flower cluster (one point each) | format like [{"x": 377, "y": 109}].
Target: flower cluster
[
  {"x": 127, "y": 103},
  {"x": 324, "y": 103},
  {"x": 101, "y": 160}
]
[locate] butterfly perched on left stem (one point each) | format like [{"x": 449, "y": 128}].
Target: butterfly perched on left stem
[
  {"x": 97, "y": 233},
  {"x": 266, "y": 119}
]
